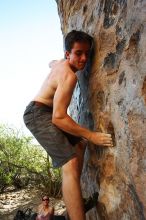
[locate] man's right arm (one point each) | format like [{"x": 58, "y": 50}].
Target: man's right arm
[
  {"x": 61, "y": 102},
  {"x": 62, "y": 120}
]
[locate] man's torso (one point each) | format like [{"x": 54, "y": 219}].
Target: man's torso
[{"x": 50, "y": 84}]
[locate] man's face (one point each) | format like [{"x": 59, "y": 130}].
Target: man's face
[{"x": 79, "y": 55}]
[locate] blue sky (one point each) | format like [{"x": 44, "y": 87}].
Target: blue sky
[{"x": 30, "y": 37}]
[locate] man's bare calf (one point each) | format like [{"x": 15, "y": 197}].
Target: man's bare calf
[
  {"x": 72, "y": 194},
  {"x": 71, "y": 189}
]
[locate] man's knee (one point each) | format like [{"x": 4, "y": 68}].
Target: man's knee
[{"x": 71, "y": 168}]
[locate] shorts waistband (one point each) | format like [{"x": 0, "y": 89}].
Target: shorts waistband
[{"x": 40, "y": 104}]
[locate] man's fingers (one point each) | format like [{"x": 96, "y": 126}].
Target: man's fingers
[
  {"x": 103, "y": 139},
  {"x": 107, "y": 139},
  {"x": 107, "y": 135},
  {"x": 108, "y": 142}
]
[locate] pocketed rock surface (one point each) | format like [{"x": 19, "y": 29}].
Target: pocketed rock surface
[{"x": 114, "y": 83}]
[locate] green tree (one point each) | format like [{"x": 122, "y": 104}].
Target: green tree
[{"x": 22, "y": 162}]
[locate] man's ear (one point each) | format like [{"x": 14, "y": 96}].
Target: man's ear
[{"x": 67, "y": 54}]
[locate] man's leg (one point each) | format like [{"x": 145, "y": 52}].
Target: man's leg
[{"x": 72, "y": 194}]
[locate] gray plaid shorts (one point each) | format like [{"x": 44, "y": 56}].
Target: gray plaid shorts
[{"x": 58, "y": 144}]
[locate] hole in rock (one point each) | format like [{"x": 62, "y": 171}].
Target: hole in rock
[
  {"x": 84, "y": 9},
  {"x": 110, "y": 130},
  {"x": 144, "y": 89},
  {"x": 121, "y": 77},
  {"x": 106, "y": 126},
  {"x": 133, "y": 45}
]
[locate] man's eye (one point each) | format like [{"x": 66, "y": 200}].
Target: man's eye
[{"x": 78, "y": 53}]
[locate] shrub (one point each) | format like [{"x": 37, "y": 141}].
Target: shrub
[{"x": 23, "y": 163}]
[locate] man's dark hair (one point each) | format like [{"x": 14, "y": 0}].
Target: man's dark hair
[{"x": 76, "y": 36}]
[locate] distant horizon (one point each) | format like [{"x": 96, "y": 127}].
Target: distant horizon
[{"x": 30, "y": 38}]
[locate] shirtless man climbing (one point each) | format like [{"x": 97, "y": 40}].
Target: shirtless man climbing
[{"x": 47, "y": 118}]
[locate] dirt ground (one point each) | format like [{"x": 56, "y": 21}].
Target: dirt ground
[{"x": 10, "y": 202}]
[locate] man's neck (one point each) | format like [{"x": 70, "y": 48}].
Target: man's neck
[{"x": 73, "y": 68}]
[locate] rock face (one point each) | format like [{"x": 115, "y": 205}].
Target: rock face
[{"x": 111, "y": 97}]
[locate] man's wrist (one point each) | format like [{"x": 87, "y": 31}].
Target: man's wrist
[{"x": 88, "y": 135}]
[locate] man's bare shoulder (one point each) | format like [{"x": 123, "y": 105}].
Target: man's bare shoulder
[
  {"x": 53, "y": 63},
  {"x": 62, "y": 65},
  {"x": 63, "y": 70}
]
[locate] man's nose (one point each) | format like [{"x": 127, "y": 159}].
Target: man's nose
[{"x": 84, "y": 57}]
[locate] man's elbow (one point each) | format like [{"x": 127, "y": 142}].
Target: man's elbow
[{"x": 57, "y": 118}]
